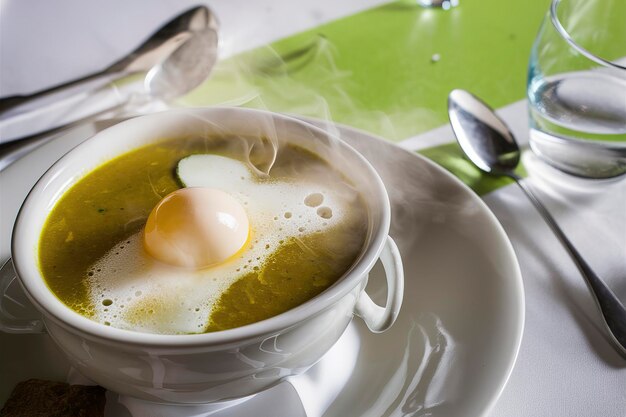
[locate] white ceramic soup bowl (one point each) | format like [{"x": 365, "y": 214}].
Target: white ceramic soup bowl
[{"x": 224, "y": 365}]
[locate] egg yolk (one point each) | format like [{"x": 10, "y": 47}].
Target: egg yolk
[{"x": 196, "y": 227}]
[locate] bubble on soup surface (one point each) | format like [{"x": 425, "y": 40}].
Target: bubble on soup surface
[
  {"x": 314, "y": 200},
  {"x": 325, "y": 213}
]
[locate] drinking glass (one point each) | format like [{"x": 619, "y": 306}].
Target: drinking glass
[{"x": 577, "y": 88}]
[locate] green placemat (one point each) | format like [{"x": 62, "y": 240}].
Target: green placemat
[{"x": 389, "y": 70}]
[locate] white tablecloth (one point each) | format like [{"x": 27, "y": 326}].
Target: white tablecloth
[{"x": 565, "y": 367}]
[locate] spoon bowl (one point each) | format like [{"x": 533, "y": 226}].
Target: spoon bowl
[
  {"x": 185, "y": 68},
  {"x": 483, "y": 136},
  {"x": 164, "y": 42}
]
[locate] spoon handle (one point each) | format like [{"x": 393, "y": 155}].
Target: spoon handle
[
  {"x": 612, "y": 310},
  {"x": 49, "y": 94}
]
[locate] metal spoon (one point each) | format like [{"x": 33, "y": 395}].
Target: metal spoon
[
  {"x": 490, "y": 145},
  {"x": 174, "y": 60},
  {"x": 162, "y": 55}
]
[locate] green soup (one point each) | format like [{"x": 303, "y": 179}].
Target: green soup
[{"x": 112, "y": 203}]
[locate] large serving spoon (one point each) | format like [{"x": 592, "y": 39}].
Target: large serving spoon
[
  {"x": 490, "y": 145},
  {"x": 163, "y": 55},
  {"x": 174, "y": 60}
]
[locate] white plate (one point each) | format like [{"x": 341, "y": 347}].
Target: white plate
[{"x": 449, "y": 354}]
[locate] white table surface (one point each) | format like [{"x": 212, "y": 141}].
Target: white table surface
[{"x": 565, "y": 366}]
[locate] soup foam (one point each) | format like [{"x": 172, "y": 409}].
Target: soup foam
[{"x": 128, "y": 289}]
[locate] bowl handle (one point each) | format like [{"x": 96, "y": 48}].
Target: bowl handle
[
  {"x": 377, "y": 318},
  {"x": 9, "y": 323}
]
